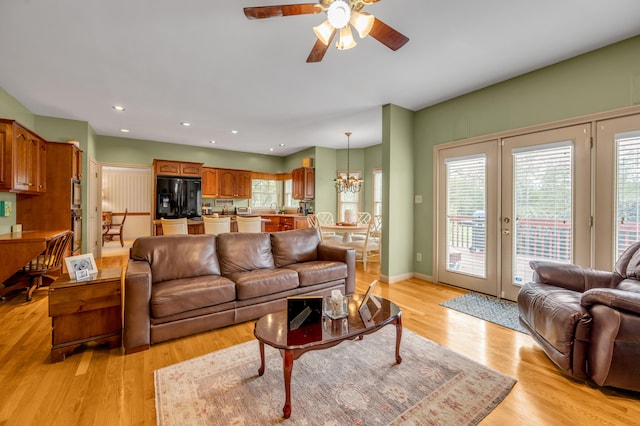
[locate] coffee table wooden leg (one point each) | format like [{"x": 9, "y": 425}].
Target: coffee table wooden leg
[
  {"x": 261, "y": 369},
  {"x": 288, "y": 367},
  {"x": 398, "y": 338}
]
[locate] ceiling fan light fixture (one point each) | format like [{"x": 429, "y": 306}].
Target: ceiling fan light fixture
[
  {"x": 323, "y": 32},
  {"x": 346, "y": 39},
  {"x": 362, "y": 22},
  {"x": 339, "y": 14}
]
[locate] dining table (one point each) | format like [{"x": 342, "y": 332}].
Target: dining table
[{"x": 345, "y": 229}]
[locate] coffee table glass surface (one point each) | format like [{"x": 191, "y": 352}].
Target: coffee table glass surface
[{"x": 272, "y": 330}]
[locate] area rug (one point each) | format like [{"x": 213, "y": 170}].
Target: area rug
[
  {"x": 355, "y": 383},
  {"x": 501, "y": 312}
]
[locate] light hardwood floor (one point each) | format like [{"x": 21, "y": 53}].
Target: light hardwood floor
[{"x": 98, "y": 386}]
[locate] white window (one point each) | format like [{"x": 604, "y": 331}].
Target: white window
[
  {"x": 628, "y": 190},
  {"x": 348, "y": 200},
  {"x": 377, "y": 193},
  {"x": 264, "y": 193},
  {"x": 288, "y": 194}
]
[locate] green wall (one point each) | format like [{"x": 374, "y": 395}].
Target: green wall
[
  {"x": 12, "y": 109},
  {"x": 117, "y": 150},
  {"x": 398, "y": 190},
  {"x": 602, "y": 80}
]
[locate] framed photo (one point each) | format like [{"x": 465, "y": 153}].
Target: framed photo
[
  {"x": 81, "y": 266},
  {"x": 369, "y": 297}
]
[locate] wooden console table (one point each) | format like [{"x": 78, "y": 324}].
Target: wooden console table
[{"x": 84, "y": 311}]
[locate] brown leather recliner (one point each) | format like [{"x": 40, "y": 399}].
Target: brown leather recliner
[{"x": 587, "y": 321}]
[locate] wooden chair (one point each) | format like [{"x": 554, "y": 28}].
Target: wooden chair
[
  {"x": 174, "y": 226},
  {"x": 249, "y": 224},
  {"x": 114, "y": 229},
  {"x": 326, "y": 218},
  {"x": 31, "y": 275},
  {"x": 216, "y": 225},
  {"x": 363, "y": 218},
  {"x": 313, "y": 222},
  {"x": 367, "y": 249}
]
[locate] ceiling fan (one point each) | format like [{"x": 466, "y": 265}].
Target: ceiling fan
[{"x": 341, "y": 16}]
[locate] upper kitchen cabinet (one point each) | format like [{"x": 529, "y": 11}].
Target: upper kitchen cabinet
[
  {"x": 209, "y": 182},
  {"x": 23, "y": 158},
  {"x": 177, "y": 168},
  {"x": 234, "y": 183},
  {"x": 303, "y": 183}
]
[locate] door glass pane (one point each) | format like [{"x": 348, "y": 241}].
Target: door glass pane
[
  {"x": 628, "y": 190},
  {"x": 542, "y": 207},
  {"x": 466, "y": 198}
]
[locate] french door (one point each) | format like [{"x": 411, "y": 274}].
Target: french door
[
  {"x": 466, "y": 226},
  {"x": 617, "y": 223},
  {"x": 546, "y": 204},
  {"x": 504, "y": 202}
]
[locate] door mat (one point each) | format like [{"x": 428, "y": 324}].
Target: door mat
[{"x": 501, "y": 312}]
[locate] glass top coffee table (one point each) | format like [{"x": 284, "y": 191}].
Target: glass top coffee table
[{"x": 272, "y": 330}]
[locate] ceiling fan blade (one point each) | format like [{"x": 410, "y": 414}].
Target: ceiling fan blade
[
  {"x": 387, "y": 35},
  {"x": 261, "y": 12},
  {"x": 319, "y": 49}
]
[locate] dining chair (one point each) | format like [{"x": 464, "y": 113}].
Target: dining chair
[
  {"x": 31, "y": 275},
  {"x": 249, "y": 224},
  {"x": 216, "y": 225},
  {"x": 114, "y": 229},
  {"x": 174, "y": 226},
  {"x": 326, "y": 218},
  {"x": 363, "y": 218},
  {"x": 366, "y": 249},
  {"x": 313, "y": 222}
]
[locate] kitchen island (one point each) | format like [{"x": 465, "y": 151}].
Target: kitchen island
[{"x": 270, "y": 223}]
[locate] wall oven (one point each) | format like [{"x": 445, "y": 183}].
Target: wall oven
[
  {"x": 76, "y": 194},
  {"x": 76, "y": 227}
]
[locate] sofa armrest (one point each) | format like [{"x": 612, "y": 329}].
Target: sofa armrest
[
  {"x": 569, "y": 276},
  {"x": 137, "y": 298},
  {"x": 613, "y": 298},
  {"x": 341, "y": 254}
]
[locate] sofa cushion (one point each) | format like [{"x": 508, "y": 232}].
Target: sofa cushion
[
  {"x": 175, "y": 296},
  {"x": 241, "y": 252},
  {"x": 320, "y": 271},
  {"x": 173, "y": 257},
  {"x": 261, "y": 282},
  {"x": 300, "y": 245}
]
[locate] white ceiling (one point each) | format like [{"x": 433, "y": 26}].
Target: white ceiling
[{"x": 202, "y": 61}]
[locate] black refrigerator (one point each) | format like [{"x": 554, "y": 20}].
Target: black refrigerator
[{"x": 178, "y": 197}]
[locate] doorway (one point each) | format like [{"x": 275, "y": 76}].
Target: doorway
[{"x": 503, "y": 202}]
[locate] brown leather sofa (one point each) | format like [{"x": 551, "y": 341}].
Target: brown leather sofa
[
  {"x": 587, "y": 321},
  {"x": 178, "y": 285}
]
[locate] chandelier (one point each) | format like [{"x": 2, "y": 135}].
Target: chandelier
[
  {"x": 348, "y": 183},
  {"x": 342, "y": 15}
]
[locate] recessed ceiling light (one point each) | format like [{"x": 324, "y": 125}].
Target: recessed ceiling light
[
  {"x": 118, "y": 107},
  {"x": 124, "y": 130},
  {"x": 282, "y": 144},
  {"x": 186, "y": 124},
  {"x": 212, "y": 141},
  {"x": 235, "y": 132},
  {"x": 271, "y": 149}
]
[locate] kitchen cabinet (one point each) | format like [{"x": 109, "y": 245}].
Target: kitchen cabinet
[
  {"x": 50, "y": 211},
  {"x": 177, "y": 168},
  {"x": 303, "y": 183},
  {"x": 279, "y": 223},
  {"x": 209, "y": 182},
  {"x": 234, "y": 183},
  {"x": 23, "y": 157}
]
